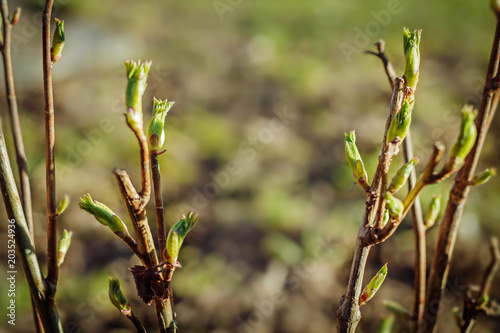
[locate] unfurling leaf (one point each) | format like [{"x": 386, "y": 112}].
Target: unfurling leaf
[
  {"x": 156, "y": 132},
  {"x": 401, "y": 122},
  {"x": 176, "y": 236},
  {"x": 411, "y": 44},
  {"x": 63, "y": 204},
  {"x": 373, "y": 286},
  {"x": 103, "y": 215},
  {"x": 402, "y": 175},
  {"x": 484, "y": 176},
  {"x": 465, "y": 141},
  {"x": 137, "y": 75},
  {"x": 394, "y": 205},
  {"x": 63, "y": 246},
  {"x": 432, "y": 211},
  {"x": 57, "y": 41},
  {"x": 117, "y": 298},
  {"x": 354, "y": 158}
]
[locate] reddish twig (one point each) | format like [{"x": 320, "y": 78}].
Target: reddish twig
[
  {"x": 52, "y": 267},
  {"x": 416, "y": 210},
  {"x": 458, "y": 194}
]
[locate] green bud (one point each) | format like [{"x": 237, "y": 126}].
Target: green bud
[
  {"x": 373, "y": 286},
  {"x": 156, "y": 133},
  {"x": 354, "y": 158},
  {"x": 397, "y": 309},
  {"x": 386, "y": 218},
  {"x": 63, "y": 204},
  {"x": 103, "y": 215},
  {"x": 411, "y": 43},
  {"x": 395, "y": 207},
  {"x": 457, "y": 316},
  {"x": 63, "y": 247},
  {"x": 177, "y": 234},
  {"x": 137, "y": 75},
  {"x": 402, "y": 175},
  {"x": 387, "y": 324},
  {"x": 57, "y": 41},
  {"x": 401, "y": 121},
  {"x": 432, "y": 211},
  {"x": 484, "y": 176},
  {"x": 465, "y": 140},
  {"x": 16, "y": 16},
  {"x": 117, "y": 298},
  {"x": 483, "y": 301}
]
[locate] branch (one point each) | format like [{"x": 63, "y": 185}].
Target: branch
[
  {"x": 136, "y": 322},
  {"x": 458, "y": 194},
  {"x": 416, "y": 210},
  {"x": 472, "y": 307},
  {"x": 22, "y": 164},
  {"x": 52, "y": 267},
  {"x": 160, "y": 223},
  {"x": 389, "y": 71},
  {"x": 38, "y": 289},
  {"x": 146, "y": 248}
]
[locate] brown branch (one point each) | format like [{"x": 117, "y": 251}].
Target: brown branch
[
  {"x": 427, "y": 178},
  {"x": 160, "y": 223},
  {"x": 492, "y": 268},
  {"x": 133, "y": 202},
  {"x": 52, "y": 267},
  {"x": 136, "y": 322},
  {"x": 416, "y": 210},
  {"x": 38, "y": 288},
  {"x": 22, "y": 163},
  {"x": 145, "y": 244},
  {"x": 388, "y": 150},
  {"x": 15, "y": 124},
  {"x": 389, "y": 71},
  {"x": 473, "y": 307},
  {"x": 145, "y": 193},
  {"x": 458, "y": 194},
  {"x": 420, "y": 243}
]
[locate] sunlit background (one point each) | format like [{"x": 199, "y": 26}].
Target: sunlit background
[{"x": 264, "y": 92}]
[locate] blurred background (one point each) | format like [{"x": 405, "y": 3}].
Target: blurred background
[{"x": 264, "y": 92}]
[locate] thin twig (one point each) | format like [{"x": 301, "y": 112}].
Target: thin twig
[
  {"x": 458, "y": 194},
  {"x": 472, "y": 306},
  {"x": 146, "y": 248},
  {"x": 145, "y": 193},
  {"x": 160, "y": 223},
  {"x": 389, "y": 71},
  {"x": 22, "y": 162},
  {"x": 38, "y": 288},
  {"x": 136, "y": 322},
  {"x": 416, "y": 210},
  {"x": 52, "y": 267}
]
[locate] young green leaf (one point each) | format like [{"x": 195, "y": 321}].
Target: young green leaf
[
  {"x": 176, "y": 236},
  {"x": 63, "y": 247},
  {"x": 103, "y": 215},
  {"x": 58, "y": 41},
  {"x": 354, "y": 158},
  {"x": 156, "y": 132},
  {"x": 117, "y": 298},
  {"x": 374, "y": 285}
]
